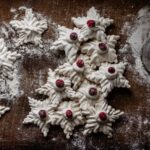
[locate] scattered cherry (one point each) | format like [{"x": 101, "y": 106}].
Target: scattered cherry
[
  {"x": 93, "y": 91},
  {"x": 60, "y": 83},
  {"x": 103, "y": 116},
  {"x": 111, "y": 70},
  {"x": 91, "y": 23},
  {"x": 42, "y": 114},
  {"x": 80, "y": 63},
  {"x": 102, "y": 46},
  {"x": 73, "y": 36},
  {"x": 69, "y": 114}
]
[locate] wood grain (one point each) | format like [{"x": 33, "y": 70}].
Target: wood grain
[{"x": 129, "y": 132}]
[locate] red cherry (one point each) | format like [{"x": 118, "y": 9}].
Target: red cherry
[
  {"x": 102, "y": 46},
  {"x": 91, "y": 23},
  {"x": 103, "y": 116},
  {"x": 73, "y": 36},
  {"x": 60, "y": 83},
  {"x": 42, "y": 114},
  {"x": 93, "y": 91},
  {"x": 111, "y": 70},
  {"x": 80, "y": 63},
  {"x": 69, "y": 114}
]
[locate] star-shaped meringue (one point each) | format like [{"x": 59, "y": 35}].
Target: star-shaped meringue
[
  {"x": 68, "y": 116},
  {"x": 57, "y": 88},
  {"x": 100, "y": 119},
  {"x": 101, "y": 51},
  {"x": 7, "y": 59},
  {"x": 67, "y": 41},
  {"x": 76, "y": 72},
  {"x": 30, "y": 28},
  {"x": 40, "y": 114},
  {"x": 3, "y": 109},
  {"x": 90, "y": 95},
  {"x": 92, "y": 26},
  {"x": 110, "y": 76}
]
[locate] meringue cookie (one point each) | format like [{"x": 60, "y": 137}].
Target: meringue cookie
[
  {"x": 92, "y": 26},
  {"x": 101, "y": 52},
  {"x": 100, "y": 119},
  {"x": 67, "y": 41},
  {"x": 68, "y": 116},
  {"x": 29, "y": 29},
  {"x": 57, "y": 88},
  {"x": 40, "y": 114},
  {"x": 109, "y": 76},
  {"x": 90, "y": 95}
]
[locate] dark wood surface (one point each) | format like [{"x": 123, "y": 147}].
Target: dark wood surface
[{"x": 129, "y": 132}]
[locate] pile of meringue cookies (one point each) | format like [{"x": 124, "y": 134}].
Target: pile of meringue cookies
[{"x": 77, "y": 90}]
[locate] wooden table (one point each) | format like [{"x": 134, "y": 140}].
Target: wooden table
[{"x": 130, "y": 132}]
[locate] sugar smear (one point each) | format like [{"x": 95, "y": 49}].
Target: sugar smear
[{"x": 138, "y": 33}]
